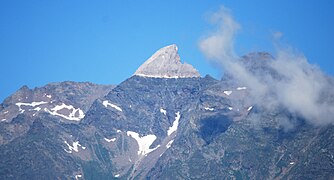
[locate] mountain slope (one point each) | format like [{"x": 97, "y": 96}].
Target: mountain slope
[
  {"x": 37, "y": 122},
  {"x": 160, "y": 125}
]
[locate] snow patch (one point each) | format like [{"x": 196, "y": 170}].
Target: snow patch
[
  {"x": 144, "y": 142},
  {"x": 119, "y": 131},
  {"x": 250, "y": 108},
  {"x": 175, "y": 125},
  {"x": 48, "y": 96},
  {"x": 5, "y": 112},
  {"x": 117, "y": 175},
  {"x": 228, "y": 92},
  {"x": 33, "y": 104},
  {"x": 78, "y": 176},
  {"x": 230, "y": 108},
  {"x": 241, "y": 88},
  {"x": 74, "y": 147},
  {"x": 209, "y": 109},
  {"x": 163, "y": 111},
  {"x": 169, "y": 144},
  {"x": 106, "y": 104},
  {"x": 36, "y": 109},
  {"x": 110, "y": 140},
  {"x": 71, "y": 116},
  {"x": 292, "y": 163},
  {"x": 3, "y": 120}
]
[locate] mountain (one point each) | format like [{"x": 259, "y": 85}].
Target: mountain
[{"x": 164, "y": 122}]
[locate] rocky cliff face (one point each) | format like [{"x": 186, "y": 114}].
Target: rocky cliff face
[
  {"x": 157, "y": 127},
  {"x": 67, "y": 101},
  {"x": 166, "y": 63}
]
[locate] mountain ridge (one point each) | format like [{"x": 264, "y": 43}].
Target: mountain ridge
[{"x": 157, "y": 128}]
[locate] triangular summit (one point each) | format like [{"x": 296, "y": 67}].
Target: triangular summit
[{"x": 166, "y": 63}]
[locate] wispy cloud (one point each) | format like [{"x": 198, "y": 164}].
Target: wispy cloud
[
  {"x": 277, "y": 35},
  {"x": 219, "y": 44},
  {"x": 292, "y": 82}
]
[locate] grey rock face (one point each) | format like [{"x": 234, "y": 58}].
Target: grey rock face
[
  {"x": 149, "y": 107},
  {"x": 67, "y": 101},
  {"x": 166, "y": 63},
  {"x": 33, "y": 101}
]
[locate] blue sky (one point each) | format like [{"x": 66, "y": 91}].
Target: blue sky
[{"x": 106, "y": 41}]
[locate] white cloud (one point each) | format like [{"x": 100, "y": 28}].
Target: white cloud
[
  {"x": 220, "y": 43},
  {"x": 302, "y": 88},
  {"x": 277, "y": 35}
]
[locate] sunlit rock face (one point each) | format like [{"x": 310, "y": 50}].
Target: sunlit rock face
[{"x": 166, "y": 63}]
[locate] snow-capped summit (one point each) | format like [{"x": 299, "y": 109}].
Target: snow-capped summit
[{"x": 166, "y": 63}]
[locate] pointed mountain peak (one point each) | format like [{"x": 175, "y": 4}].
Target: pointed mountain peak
[{"x": 166, "y": 63}]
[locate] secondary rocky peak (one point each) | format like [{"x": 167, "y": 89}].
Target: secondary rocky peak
[
  {"x": 166, "y": 63},
  {"x": 257, "y": 62},
  {"x": 257, "y": 56}
]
